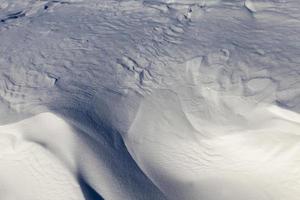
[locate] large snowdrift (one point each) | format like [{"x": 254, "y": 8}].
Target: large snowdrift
[{"x": 149, "y": 100}]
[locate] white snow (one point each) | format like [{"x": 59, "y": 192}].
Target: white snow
[{"x": 149, "y": 100}]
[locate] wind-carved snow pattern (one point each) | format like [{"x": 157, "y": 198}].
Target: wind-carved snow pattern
[
  {"x": 153, "y": 99},
  {"x": 142, "y": 75},
  {"x": 18, "y": 86}
]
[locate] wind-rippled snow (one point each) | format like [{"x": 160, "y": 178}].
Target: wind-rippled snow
[{"x": 187, "y": 100}]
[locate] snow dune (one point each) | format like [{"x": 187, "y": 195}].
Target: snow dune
[
  {"x": 76, "y": 156},
  {"x": 149, "y": 100},
  {"x": 238, "y": 160}
]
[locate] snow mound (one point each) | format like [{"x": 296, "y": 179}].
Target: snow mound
[{"x": 143, "y": 100}]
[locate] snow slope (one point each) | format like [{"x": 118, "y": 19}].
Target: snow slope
[{"x": 180, "y": 100}]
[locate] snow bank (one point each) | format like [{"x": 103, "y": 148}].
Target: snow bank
[{"x": 146, "y": 100}]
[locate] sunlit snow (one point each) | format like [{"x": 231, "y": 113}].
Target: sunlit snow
[{"x": 149, "y": 100}]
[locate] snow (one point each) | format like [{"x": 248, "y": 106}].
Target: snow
[{"x": 143, "y": 100}]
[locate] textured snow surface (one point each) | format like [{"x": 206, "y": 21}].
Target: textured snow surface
[{"x": 149, "y": 100}]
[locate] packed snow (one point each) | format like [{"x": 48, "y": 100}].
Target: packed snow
[{"x": 149, "y": 100}]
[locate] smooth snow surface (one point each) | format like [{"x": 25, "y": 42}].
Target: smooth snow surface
[{"x": 149, "y": 100}]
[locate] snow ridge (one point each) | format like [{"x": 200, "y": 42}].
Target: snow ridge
[{"x": 143, "y": 100}]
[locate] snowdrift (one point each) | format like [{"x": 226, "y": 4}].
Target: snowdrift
[{"x": 153, "y": 99}]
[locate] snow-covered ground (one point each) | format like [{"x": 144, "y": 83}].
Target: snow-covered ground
[{"x": 149, "y": 100}]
